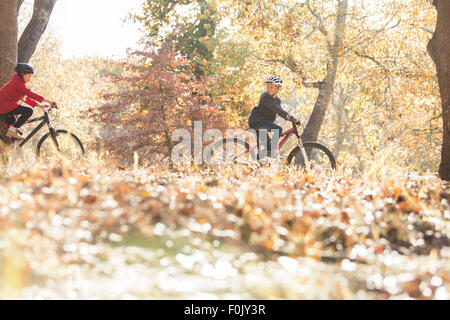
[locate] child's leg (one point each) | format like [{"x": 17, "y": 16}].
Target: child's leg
[
  {"x": 9, "y": 118},
  {"x": 24, "y": 114},
  {"x": 276, "y": 130}
]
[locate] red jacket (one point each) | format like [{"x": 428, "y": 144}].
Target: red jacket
[{"x": 15, "y": 90}]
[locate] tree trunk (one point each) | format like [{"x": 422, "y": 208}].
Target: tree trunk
[
  {"x": 19, "y": 4},
  {"x": 314, "y": 125},
  {"x": 8, "y": 39},
  {"x": 341, "y": 120},
  {"x": 439, "y": 50},
  {"x": 30, "y": 37}
]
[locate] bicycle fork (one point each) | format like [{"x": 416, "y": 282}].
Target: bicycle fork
[
  {"x": 302, "y": 149},
  {"x": 305, "y": 156},
  {"x": 52, "y": 130}
]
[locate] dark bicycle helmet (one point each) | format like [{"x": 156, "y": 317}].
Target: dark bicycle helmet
[
  {"x": 275, "y": 80},
  {"x": 23, "y": 68}
]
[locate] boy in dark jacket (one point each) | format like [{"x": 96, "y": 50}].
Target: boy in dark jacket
[{"x": 269, "y": 106}]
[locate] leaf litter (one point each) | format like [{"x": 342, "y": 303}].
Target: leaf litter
[{"x": 237, "y": 232}]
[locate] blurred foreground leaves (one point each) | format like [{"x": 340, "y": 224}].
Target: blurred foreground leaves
[{"x": 308, "y": 237}]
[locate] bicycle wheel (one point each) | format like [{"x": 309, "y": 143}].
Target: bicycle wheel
[
  {"x": 320, "y": 158},
  {"x": 229, "y": 150},
  {"x": 64, "y": 145}
]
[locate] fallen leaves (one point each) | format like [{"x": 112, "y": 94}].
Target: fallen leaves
[{"x": 346, "y": 222}]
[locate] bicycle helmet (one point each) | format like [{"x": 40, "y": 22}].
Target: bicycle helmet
[
  {"x": 23, "y": 68},
  {"x": 275, "y": 80}
]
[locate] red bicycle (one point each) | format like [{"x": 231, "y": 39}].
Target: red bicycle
[{"x": 304, "y": 155}]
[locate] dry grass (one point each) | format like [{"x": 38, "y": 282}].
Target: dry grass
[{"x": 378, "y": 236}]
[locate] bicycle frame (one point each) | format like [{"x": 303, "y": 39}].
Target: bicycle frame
[
  {"x": 306, "y": 154},
  {"x": 286, "y": 135},
  {"x": 45, "y": 119}
]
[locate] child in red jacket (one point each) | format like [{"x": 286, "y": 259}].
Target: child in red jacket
[{"x": 13, "y": 92}]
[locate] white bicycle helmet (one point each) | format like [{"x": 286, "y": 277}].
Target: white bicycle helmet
[{"x": 275, "y": 80}]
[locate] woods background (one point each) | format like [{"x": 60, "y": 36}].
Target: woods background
[
  {"x": 358, "y": 74},
  {"x": 369, "y": 78}
]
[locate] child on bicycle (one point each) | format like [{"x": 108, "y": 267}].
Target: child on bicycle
[
  {"x": 263, "y": 115},
  {"x": 11, "y": 95}
]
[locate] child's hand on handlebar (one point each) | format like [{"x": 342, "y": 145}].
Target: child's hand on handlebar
[
  {"x": 52, "y": 103},
  {"x": 296, "y": 121}
]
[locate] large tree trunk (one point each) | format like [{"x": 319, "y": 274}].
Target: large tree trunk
[
  {"x": 439, "y": 50},
  {"x": 30, "y": 37},
  {"x": 8, "y": 38},
  {"x": 341, "y": 119},
  {"x": 314, "y": 125},
  {"x": 19, "y": 4}
]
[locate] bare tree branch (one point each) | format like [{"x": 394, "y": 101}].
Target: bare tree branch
[
  {"x": 426, "y": 29},
  {"x": 376, "y": 33},
  {"x": 291, "y": 65},
  {"x": 365, "y": 56},
  {"x": 321, "y": 26}
]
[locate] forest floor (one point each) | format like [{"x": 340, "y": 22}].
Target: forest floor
[{"x": 237, "y": 232}]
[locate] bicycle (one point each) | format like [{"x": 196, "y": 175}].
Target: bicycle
[
  {"x": 61, "y": 143},
  {"x": 307, "y": 155}
]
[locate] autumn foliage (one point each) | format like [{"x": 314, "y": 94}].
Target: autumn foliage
[
  {"x": 313, "y": 237},
  {"x": 377, "y": 228},
  {"x": 156, "y": 94}
]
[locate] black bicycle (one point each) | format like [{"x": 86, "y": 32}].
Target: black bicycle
[
  {"x": 307, "y": 155},
  {"x": 56, "y": 143}
]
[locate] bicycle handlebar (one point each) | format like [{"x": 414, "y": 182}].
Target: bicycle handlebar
[
  {"x": 294, "y": 125},
  {"x": 48, "y": 107}
]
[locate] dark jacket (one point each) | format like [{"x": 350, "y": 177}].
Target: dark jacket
[
  {"x": 267, "y": 109},
  {"x": 13, "y": 91}
]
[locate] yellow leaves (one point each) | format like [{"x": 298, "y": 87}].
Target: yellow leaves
[
  {"x": 301, "y": 226},
  {"x": 397, "y": 192},
  {"x": 145, "y": 193},
  {"x": 314, "y": 253},
  {"x": 268, "y": 244},
  {"x": 246, "y": 210},
  {"x": 336, "y": 217},
  {"x": 434, "y": 254},
  {"x": 202, "y": 188},
  {"x": 25, "y": 217},
  {"x": 409, "y": 205},
  {"x": 405, "y": 201},
  {"x": 15, "y": 274},
  {"x": 308, "y": 178},
  {"x": 85, "y": 179},
  {"x": 278, "y": 178},
  {"x": 124, "y": 188},
  {"x": 376, "y": 234}
]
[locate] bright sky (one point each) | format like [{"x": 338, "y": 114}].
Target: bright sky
[{"x": 94, "y": 27}]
